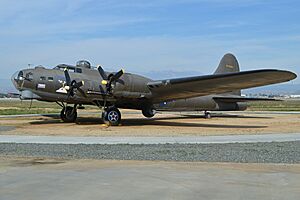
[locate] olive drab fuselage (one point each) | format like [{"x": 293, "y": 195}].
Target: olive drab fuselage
[{"x": 131, "y": 91}]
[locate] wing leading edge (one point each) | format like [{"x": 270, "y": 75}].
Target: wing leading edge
[{"x": 181, "y": 88}]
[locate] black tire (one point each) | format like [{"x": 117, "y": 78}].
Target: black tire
[
  {"x": 207, "y": 115},
  {"x": 68, "y": 114},
  {"x": 148, "y": 111},
  {"x": 112, "y": 116}
]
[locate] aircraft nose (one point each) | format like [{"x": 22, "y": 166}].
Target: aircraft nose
[{"x": 18, "y": 79}]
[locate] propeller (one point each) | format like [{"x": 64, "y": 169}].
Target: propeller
[
  {"x": 108, "y": 81},
  {"x": 72, "y": 84}
]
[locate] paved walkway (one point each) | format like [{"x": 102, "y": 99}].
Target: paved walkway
[{"x": 77, "y": 180}]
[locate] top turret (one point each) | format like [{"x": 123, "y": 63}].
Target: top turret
[{"x": 83, "y": 64}]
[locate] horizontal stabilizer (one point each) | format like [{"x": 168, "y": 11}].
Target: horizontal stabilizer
[{"x": 242, "y": 99}]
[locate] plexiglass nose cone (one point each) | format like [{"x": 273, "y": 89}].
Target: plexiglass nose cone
[{"x": 17, "y": 79}]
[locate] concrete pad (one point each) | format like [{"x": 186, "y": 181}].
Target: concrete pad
[{"x": 85, "y": 179}]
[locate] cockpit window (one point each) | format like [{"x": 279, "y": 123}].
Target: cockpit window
[
  {"x": 62, "y": 67},
  {"x": 29, "y": 76},
  {"x": 42, "y": 78},
  {"x": 78, "y": 70}
]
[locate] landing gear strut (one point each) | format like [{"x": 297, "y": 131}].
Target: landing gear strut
[
  {"x": 69, "y": 114},
  {"x": 207, "y": 115},
  {"x": 112, "y": 116}
]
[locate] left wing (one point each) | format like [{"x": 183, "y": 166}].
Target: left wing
[{"x": 182, "y": 88}]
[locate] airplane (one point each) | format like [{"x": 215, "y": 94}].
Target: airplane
[{"x": 83, "y": 84}]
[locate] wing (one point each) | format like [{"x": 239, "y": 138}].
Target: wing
[{"x": 182, "y": 88}]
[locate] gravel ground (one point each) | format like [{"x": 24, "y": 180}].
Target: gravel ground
[
  {"x": 274, "y": 152},
  {"x": 6, "y": 128}
]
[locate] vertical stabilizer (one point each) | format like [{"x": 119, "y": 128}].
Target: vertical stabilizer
[{"x": 229, "y": 64}]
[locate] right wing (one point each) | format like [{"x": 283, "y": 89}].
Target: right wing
[{"x": 189, "y": 87}]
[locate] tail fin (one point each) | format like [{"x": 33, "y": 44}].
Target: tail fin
[{"x": 229, "y": 64}]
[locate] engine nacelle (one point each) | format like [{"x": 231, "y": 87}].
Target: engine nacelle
[
  {"x": 234, "y": 106},
  {"x": 241, "y": 106}
]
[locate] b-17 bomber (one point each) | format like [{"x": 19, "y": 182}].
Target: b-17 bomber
[{"x": 84, "y": 84}]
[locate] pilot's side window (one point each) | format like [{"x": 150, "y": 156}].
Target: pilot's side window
[
  {"x": 29, "y": 76},
  {"x": 78, "y": 70},
  {"x": 50, "y": 78},
  {"x": 42, "y": 78}
]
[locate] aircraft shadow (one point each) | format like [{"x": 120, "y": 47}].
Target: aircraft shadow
[
  {"x": 227, "y": 116},
  {"x": 160, "y": 121}
]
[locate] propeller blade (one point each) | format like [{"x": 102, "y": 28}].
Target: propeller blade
[
  {"x": 76, "y": 85},
  {"x": 117, "y": 75},
  {"x": 79, "y": 84},
  {"x": 107, "y": 81},
  {"x": 70, "y": 93},
  {"x": 102, "y": 73},
  {"x": 68, "y": 78}
]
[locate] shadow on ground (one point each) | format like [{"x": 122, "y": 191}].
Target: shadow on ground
[{"x": 158, "y": 121}]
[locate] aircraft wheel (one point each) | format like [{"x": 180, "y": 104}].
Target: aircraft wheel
[
  {"x": 207, "y": 115},
  {"x": 68, "y": 114},
  {"x": 112, "y": 116},
  {"x": 149, "y": 112}
]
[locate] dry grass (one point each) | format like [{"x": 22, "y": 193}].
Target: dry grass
[
  {"x": 13, "y": 107},
  {"x": 287, "y": 105}
]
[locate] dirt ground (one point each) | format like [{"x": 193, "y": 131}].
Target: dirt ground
[{"x": 167, "y": 124}]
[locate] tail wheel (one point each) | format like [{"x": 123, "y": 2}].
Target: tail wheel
[
  {"x": 207, "y": 115},
  {"x": 112, "y": 116},
  {"x": 68, "y": 114}
]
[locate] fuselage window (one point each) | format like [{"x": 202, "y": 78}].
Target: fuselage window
[
  {"x": 42, "y": 78},
  {"x": 78, "y": 70},
  {"x": 71, "y": 69},
  {"x": 50, "y": 78}
]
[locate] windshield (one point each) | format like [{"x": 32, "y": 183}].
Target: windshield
[{"x": 62, "y": 67}]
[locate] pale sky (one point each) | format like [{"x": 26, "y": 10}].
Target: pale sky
[{"x": 143, "y": 36}]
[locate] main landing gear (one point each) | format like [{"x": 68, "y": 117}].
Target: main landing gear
[
  {"x": 112, "y": 116},
  {"x": 69, "y": 114}
]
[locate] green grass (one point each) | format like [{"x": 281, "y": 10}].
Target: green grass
[
  {"x": 286, "y": 105},
  {"x": 16, "y": 107},
  {"x": 26, "y": 111},
  {"x": 26, "y": 104}
]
